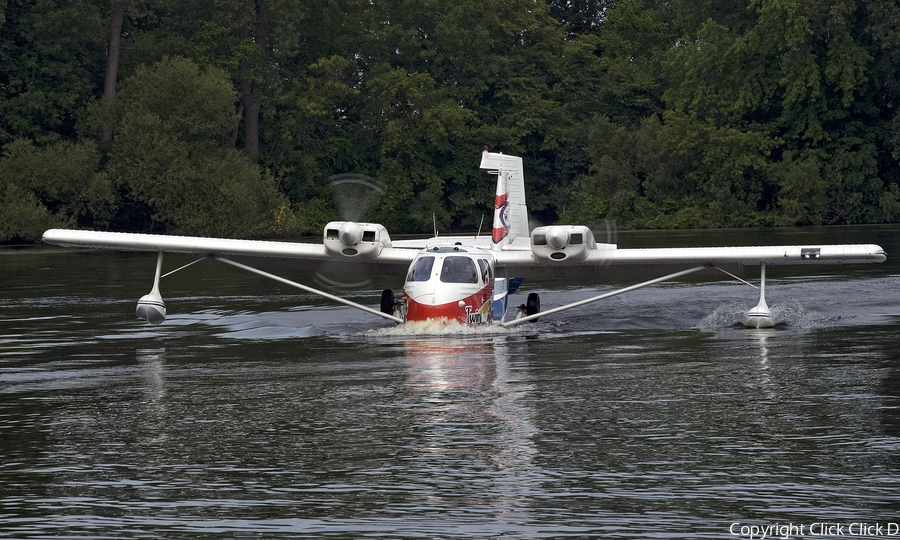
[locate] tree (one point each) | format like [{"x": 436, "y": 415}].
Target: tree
[
  {"x": 632, "y": 45},
  {"x": 50, "y": 63},
  {"x": 172, "y": 154},
  {"x": 802, "y": 74},
  {"x": 656, "y": 113},
  {"x": 252, "y": 40},
  {"x": 113, "y": 51},
  {"x": 52, "y": 186},
  {"x": 417, "y": 122}
]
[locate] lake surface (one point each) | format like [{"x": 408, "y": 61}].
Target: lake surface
[{"x": 258, "y": 411}]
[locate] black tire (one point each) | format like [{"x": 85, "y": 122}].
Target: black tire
[
  {"x": 387, "y": 301},
  {"x": 533, "y": 304}
]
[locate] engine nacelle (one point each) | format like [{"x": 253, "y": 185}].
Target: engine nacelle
[
  {"x": 351, "y": 240},
  {"x": 557, "y": 243}
]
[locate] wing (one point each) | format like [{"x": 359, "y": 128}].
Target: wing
[
  {"x": 569, "y": 251},
  {"x": 378, "y": 256}
]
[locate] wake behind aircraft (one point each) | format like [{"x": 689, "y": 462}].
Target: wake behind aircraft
[{"x": 469, "y": 279}]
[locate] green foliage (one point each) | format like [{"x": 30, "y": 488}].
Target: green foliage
[
  {"x": 689, "y": 173},
  {"x": 632, "y": 42},
  {"x": 889, "y": 204},
  {"x": 302, "y": 218},
  {"x": 170, "y": 153},
  {"x": 63, "y": 177},
  {"x": 51, "y": 61},
  {"x": 610, "y": 190},
  {"x": 54, "y": 185},
  {"x": 802, "y": 191},
  {"x": 195, "y": 104},
  {"x": 22, "y": 216},
  {"x": 772, "y": 119},
  {"x": 650, "y": 113},
  {"x": 417, "y": 122}
]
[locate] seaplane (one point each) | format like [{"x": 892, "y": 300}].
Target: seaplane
[{"x": 469, "y": 279}]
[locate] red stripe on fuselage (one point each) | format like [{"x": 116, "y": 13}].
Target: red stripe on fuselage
[{"x": 452, "y": 310}]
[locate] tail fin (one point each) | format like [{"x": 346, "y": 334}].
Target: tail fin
[{"x": 510, "y": 212}]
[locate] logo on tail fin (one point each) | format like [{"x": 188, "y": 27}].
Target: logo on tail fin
[
  {"x": 510, "y": 213},
  {"x": 501, "y": 218}
]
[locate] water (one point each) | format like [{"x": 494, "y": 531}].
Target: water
[{"x": 261, "y": 412}]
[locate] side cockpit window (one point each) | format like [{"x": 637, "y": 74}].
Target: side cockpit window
[
  {"x": 459, "y": 270},
  {"x": 421, "y": 270},
  {"x": 485, "y": 271}
]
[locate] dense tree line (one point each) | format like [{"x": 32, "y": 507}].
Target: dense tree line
[{"x": 229, "y": 117}]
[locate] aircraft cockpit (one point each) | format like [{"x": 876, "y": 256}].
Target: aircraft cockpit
[{"x": 451, "y": 265}]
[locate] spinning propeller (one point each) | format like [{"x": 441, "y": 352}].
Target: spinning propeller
[{"x": 355, "y": 195}]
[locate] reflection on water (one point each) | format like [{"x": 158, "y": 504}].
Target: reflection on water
[
  {"x": 472, "y": 378},
  {"x": 275, "y": 416},
  {"x": 154, "y": 401}
]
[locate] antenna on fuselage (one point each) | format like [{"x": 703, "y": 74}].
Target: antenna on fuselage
[
  {"x": 479, "y": 229},
  {"x": 434, "y": 224}
]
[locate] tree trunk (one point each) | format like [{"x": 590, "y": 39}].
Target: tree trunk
[
  {"x": 250, "y": 104},
  {"x": 112, "y": 71},
  {"x": 251, "y": 109}
]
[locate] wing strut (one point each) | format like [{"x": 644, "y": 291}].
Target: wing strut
[
  {"x": 514, "y": 322},
  {"x": 309, "y": 289}
]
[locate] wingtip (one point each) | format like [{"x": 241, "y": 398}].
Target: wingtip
[{"x": 48, "y": 235}]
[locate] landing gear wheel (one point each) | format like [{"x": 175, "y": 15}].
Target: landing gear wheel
[
  {"x": 533, "y": 304},
  {"x": 387, "y": 301}
]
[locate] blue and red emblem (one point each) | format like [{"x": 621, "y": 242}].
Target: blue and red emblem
[{"x": 501, "y": 218}]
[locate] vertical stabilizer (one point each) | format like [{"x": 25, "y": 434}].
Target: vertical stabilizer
[{"x": 510, "y": 212}]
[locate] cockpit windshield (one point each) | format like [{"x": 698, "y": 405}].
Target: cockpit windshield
[
  {"x": 458, "y": 270},
  {"x": 421, "y": 270}
]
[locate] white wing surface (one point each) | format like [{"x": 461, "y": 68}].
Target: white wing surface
[
  {"x": 775, "y": 255},
  {"x": 607, "y": 260},
  {"x": 181, "y": 244},
  {"x": 388, "y": 260},
  {"x": 532, "y": 258}
]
